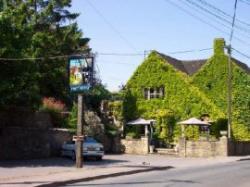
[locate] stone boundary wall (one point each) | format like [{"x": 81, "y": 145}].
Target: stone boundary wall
[
  {"x": 26, "y": 134},
  {"x": 25, "y": 118},
  {"x": 203, "y": 148},
  {"x": 56, "y": 138},
  {"x": 135, "y": 146},
  {"x": 31, "y": 143},
  {"x": 223, "y": 147}
]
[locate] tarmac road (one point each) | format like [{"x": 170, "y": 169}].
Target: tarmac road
[{"x": 232, "y": 174}]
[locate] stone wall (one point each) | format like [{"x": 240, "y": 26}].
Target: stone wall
[
  {"x": 223, "y": 147},
  {"x": 56, "y": 138},
  {"x": 25, "y": 118},
  {"x": 25, "y": 134},
  {"x": 203, "y": 148},
  {"x": 30, "y": 143},
  {"x": 135, "y": 146}
]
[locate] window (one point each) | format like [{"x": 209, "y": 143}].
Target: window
[{"x": 151, "y": 93}]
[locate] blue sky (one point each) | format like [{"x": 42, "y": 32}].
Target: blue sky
[{"x": 135, "y": 26}]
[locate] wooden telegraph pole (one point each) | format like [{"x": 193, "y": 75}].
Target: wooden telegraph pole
[
  {"x": 79, "y": 133},
  {"x": 80, "y": 67},
  {"x": 229, "y": 92}
]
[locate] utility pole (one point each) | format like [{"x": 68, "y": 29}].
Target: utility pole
[
  {"x": 145, "y": 54},
  {"x": 80, "y": 70},
  {"x": 79, "y": 133},
  {"x": 229, "y": 91},
  {"x": 230, "y": 77}
]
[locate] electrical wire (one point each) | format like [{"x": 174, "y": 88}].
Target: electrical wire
[
  {"x": 35, "y": 58},
  {"x": 201, "y": 12},
  {"x": 241, "y": 53},
  {"x": 203, "y": 21},
  {"x": 245, "y": 1},
  {"x": 111, "y": 26},
  {"x": 221, "y": 11},
  {"x": 194, "y": 16},
  {"x": 217, "y": 16},
  {"x": 120, "y": 54},
  {"x": 215, "y": 20},
  {"x": 190, "y": 51},
  {"x": 100, "y": 54}
]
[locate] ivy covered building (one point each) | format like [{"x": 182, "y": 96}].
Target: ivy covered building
[{"x": 170, "y": 90}]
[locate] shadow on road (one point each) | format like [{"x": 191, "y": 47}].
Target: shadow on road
[
  {"x": 243, "y": 159},
  {"x": 57, "y": 162}
]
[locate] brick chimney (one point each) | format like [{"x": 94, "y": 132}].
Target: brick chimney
[{"x": 219, "y": 46}]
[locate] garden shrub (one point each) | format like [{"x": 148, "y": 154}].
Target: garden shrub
[{"x": 55, "y": 108}]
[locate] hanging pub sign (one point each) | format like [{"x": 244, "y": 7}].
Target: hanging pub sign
[{"x": 81, "y": 70}]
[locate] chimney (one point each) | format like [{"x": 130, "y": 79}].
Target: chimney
[{"x": 219, "y": 46}]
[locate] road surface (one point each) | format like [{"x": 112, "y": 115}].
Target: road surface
[{"x": 233, "y": 174}]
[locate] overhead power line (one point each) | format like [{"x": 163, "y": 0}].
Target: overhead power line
[
  {"x": 194, "y": 16},
  {"x": 241, "y": 53},
  {"x": 34, "y": 58},
  {"x": 222, "y": 12},
  {"x": 246, "y": 2},
  {"x": 190, "y": 51},
  {"x": 120, "y": 54},
  {"x": 204, "y": 21},
  {"x": 142, "y": 54},
  {"x": 243, "y": 34},
  {"x": 111, "y": 26},
  {"x": 217, "y": 16},
  {"x": 100, "y": 54}
]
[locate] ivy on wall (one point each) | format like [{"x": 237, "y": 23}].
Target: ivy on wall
[
  {"x": 212, "y": 80},
  {"x": 181, "y": 98},
  {"x": 203, "y": 93}
]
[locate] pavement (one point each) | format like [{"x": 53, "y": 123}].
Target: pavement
[{"x": 62, "y": 171}]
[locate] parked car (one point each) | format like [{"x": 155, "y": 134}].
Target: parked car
[{"x": 91, "y": 148}]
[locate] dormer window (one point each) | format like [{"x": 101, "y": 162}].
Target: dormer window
[{"x": 151, "y": 93}]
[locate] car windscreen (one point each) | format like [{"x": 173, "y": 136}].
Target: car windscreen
[{"x": 89, "y": 140}]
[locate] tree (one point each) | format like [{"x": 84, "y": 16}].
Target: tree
[{"x": 37, "y": 28}]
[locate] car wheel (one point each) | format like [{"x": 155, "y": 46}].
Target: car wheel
[{"x": 73, "y": 155}]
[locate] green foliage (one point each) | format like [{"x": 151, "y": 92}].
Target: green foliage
[
  {"x": 111, "y": 130},
  {"x": 212, "y": 80},
  {"x": 166, "y": 123},
  {"x": 97, "y": 94},
  {"x": 216, "y": 127},
  {"x": 133, "y": 131},
  {"x": 203, "y": 93},
  {"x": 43, "y": 33},
  {"x": 192, "y": 132},
  {"x": 241, "y": 132},
  {"x": 116, "y": 109},
  {"x": 131, "y": 135},
  {"x": 72, "y": 119},
  {"x": 181, "y": 98},
  {"x": 19, "y": 84},
  {"x": 129, "y": 106}
]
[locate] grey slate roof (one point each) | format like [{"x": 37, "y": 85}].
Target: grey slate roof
[{"x": 192, "y": 66}]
